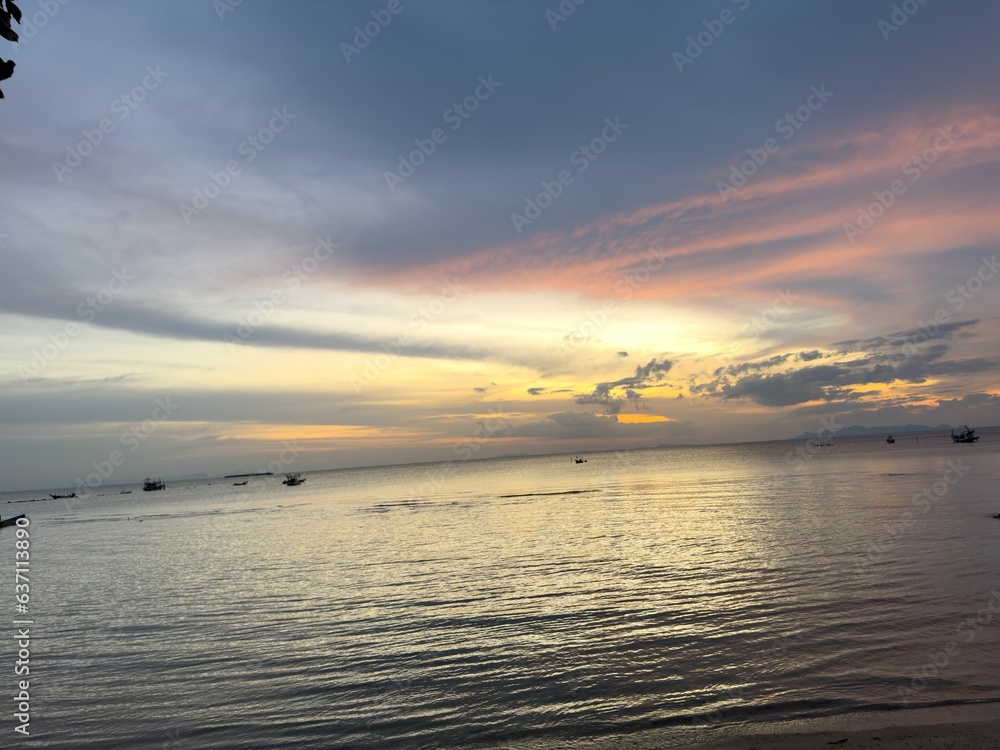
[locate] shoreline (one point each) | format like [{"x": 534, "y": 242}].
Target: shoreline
[
  {"x": 973, "y": 735},
  {"x": 957, "y": 726}
]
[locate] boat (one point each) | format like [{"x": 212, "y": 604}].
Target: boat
[
  {"x": 62, "y": 497},
  {"x": 11, "y": 521},
  {"x": 293, "y": 480},
  {"x": 580, "y": 460},
  {"x": 890, "y": 439},
  {"x": 238, "y": 484},
  {"x": 965, "y": 436},
  {"x": 151, "y": 485}
]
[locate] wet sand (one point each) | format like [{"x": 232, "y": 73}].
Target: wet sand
[{"x": 980, "y": 735}]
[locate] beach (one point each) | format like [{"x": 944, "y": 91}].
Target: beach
[{"x": 982, "y": 735}]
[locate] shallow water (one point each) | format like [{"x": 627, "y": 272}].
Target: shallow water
[{"x": 521, "y": 601}]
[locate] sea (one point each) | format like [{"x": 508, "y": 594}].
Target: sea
[{"x": 641, "y": 598}]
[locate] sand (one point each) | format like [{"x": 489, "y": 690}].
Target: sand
[{"x": 980, "y": 735}]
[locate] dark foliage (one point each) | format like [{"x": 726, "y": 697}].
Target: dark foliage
[{"x": 9, "y": 15}]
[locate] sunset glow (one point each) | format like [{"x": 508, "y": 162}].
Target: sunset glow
[{"x": 730, "y": 252}]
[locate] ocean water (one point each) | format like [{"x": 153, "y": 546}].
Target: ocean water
[{"x": 668, "y": 594}]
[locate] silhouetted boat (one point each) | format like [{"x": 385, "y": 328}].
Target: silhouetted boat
[
  {"x": 62, "y": 497},
  {"x": 10, "y": 521},
  {"x": 293, "y": 480},
  {"x": 965, "y": 436},
  {"x": 580, "y": 460},
  {"x": 238, "y": 484},
  {"x": 890, "y": 439},
  {"x": 151, "y": 485}
]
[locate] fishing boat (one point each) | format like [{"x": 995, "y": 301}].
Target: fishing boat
[
  {"x": 238, "y": 484},
  {"x": 293, "y": 480},
  {"x": 151, "y": 485},
  {"x": 62, "y": 497},
  {"x": 11, "y": 521},
  {"x": 965, "y": 436},
  {"x": 890, "y": 440}
]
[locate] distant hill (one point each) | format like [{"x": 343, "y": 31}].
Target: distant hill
[{"x": 855, "y": 430}]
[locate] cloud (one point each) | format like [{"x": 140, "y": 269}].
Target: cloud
[
  {"x": 971, "y": 401},
  {"x": 535, "y": 391},
  {"x": 900, "y": 339},
  {"x": 604, "y": 394},
  {"x": 899, "y": 357}
]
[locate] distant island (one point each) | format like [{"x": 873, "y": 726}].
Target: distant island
[
  {"x": 255, "y": 474},
  {"x": 855, "y": 430}
]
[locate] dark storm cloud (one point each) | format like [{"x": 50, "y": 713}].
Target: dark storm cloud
[
  {"x": 901, "y": 356},
  {"x": 604, "y": 394}
]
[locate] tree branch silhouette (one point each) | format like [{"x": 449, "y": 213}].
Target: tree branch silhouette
[{"x": 8, "y": 12}]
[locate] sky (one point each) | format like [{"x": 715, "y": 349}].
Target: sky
[{"x": 306, "y": 235}]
